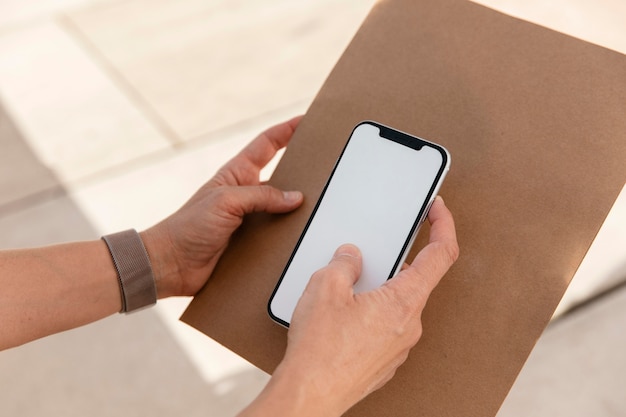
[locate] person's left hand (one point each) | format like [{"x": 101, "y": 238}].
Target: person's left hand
[{"x": 185, "y": 247}]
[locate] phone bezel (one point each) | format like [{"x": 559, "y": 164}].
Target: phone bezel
[{"x": 386, "y": 132}]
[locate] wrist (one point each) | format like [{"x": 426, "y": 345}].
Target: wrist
[
  {"x": 165, "y": 268},
  {"x": 134, "y": 270}
]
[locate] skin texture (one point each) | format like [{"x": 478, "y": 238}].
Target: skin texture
[
  {"x": 51, "y": 289},
  {"x": 343, "y": 346},
  {"x": 190, "y": 242}
]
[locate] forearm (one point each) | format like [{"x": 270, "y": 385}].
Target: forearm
[
  {"x": 55, "y": 288},
  {"x": 293, "y": 393}
]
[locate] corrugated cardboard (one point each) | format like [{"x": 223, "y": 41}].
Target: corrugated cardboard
[{"x": 535, "y": 122}]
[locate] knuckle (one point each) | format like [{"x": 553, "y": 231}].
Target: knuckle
[
  {"x": 317, "y": 278},
  {"x": 222, "y": 195},
  {"x": 322, "y": 278},
  {"x": 224, "y": 176},
  {"x": 267, "y": 191},
  {"x": 407, "y": 326},
  {"x": 346, "y": 265},
  {"x": 448, "y": 252},
  {"x": 402, "y": 357},
  {"x": 267, "y": 194},
  {"x": 415, "y": 336},
  {"x": 453, "y": 251},
  {"x": 409, "y": 333},
  {"x": 407, "y": 306},
  {"x": 324, "y": 284},
  {"x": 225, "y": 197}
]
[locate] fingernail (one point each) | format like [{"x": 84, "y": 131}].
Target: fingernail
[
  {"x": 348, "y": 250},
  {"x": 440, "y": 198},
  {"x": 292, "y": 196}
]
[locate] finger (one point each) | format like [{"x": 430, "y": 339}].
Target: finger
[
  {"x": 442, "y": 249},
  {"x": 347, "y": 263},
  {"x": 244, "y": 200},
  {"x": 245, "y": 166},
  {"x": 261, "y": 150},
  {"x": 335, "y": 280},
  {"x": 343, "y": 270},
  {"x": 434, "y": 260},
  {"x": 442, "y": 222}
]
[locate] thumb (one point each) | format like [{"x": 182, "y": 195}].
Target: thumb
[
  {"x": 329, "y": 286},
  {"x": 343, "y": 270},
  {"x": 265, "y": 198},
  {"x": 347, "y": 263}
]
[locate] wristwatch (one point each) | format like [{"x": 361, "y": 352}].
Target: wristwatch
[{"x": 134, "y": 271}]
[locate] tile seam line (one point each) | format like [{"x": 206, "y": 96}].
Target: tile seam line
[
  {"x": 118, "y": 79},
  {"x": 249, "y": 121},
  {"x": 32, "y": 199},
  {"x": 592, "y": 300},
  {"x": 148, "y": 158}
]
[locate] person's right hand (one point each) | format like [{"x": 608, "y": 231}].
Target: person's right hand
[{"x": 343, "y": 346}]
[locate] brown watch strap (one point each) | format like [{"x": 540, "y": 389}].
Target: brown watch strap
[{"x": 137, "y": 284}]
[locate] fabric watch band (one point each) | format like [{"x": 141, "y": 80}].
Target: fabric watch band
[{"x": 134, "y": 271}]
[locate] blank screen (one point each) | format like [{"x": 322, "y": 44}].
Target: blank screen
[{"x": 372, "y": 200}]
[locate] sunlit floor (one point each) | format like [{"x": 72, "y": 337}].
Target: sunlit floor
[{"x": 112, "y": 113}]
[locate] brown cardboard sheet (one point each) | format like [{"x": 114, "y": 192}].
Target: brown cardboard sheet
[{"x": 535, "y": 122}]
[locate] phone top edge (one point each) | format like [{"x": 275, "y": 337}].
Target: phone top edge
[{"x": 392, "y": 134}]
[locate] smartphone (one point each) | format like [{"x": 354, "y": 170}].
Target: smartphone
[{"x": 376, "y": 198}]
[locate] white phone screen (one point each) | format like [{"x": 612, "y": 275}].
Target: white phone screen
[{"x": 375, "y": 198}]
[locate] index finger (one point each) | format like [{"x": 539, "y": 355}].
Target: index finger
[
  {"x": 434, "y": 260},
  {"x": 245, "y": 167},
  {"x": 337, "y": 278},
  {"x": 263, "y": 148}
]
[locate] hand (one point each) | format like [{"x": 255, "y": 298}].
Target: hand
[
  {"x": 343, "y": 346},
  {"x": 185, "y": 247}
]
